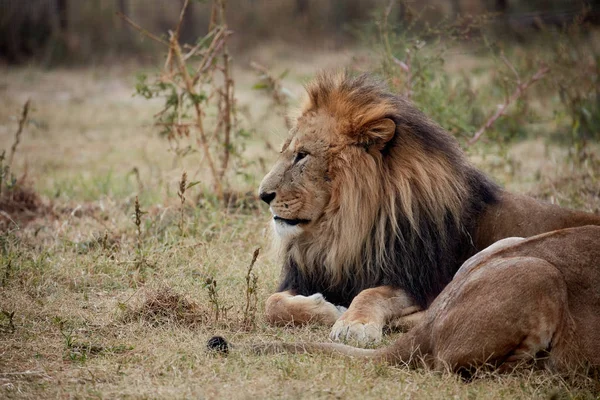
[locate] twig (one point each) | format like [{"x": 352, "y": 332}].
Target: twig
[
  {"x": 519, "y": 90},
  {"x": 140, "y": 29},
  {"x": 181, "y": 194},
  {"x": 406, "y": 67},
  {"x": 194, "y": 50},
  {"x": 251, "y": 298},
  {"x": 512, "y": 68},
  {"x": 138, "y": 224},
  {"x": 181, "y": 15},
  {"x": 207, "y": 61},
  {"x": 22, "y": 121}
]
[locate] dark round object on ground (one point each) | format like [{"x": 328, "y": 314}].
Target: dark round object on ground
[{"x": 218, "y": 344}]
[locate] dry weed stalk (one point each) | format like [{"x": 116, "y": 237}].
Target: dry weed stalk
[
  {"x": 5, "y": 168},
  {"x": 183, "y": 186},
  {"x": 517, "y": 93},
  {"x": 7, "y": 273},
  {"x": 208, "y": 83},
  {"x": 22, "y": 122},
  {"x": 213, "y": 297},
  {"x": 251, "y": 297},
  {"x": 181, "y": 194},
  {"x": 138, "y": 223}
]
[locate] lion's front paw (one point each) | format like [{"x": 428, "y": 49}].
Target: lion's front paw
[
  {"x": 350, "y": 331},
  {"x": 317, "y": 298}
]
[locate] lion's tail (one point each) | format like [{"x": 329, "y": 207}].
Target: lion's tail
[{"x": 219, "y": 344}]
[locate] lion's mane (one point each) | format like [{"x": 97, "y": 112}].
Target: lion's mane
[{"x": 401, "y": 213}]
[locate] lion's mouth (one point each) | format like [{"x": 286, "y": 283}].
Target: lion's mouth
[{"x": 291, "y": 222}]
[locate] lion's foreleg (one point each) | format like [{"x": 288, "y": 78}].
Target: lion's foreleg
[
  {"x": 285, "y": 308},
  {"x": 370, "y": 311}
]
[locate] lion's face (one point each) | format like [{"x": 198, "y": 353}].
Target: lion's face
[{"x": 298, "y": 187}]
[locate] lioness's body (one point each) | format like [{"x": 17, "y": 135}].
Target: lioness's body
[
  {"x": 523, "y": 216},
  {"x": 515, "y": 301},
  {"x": 377, "y": 207}
]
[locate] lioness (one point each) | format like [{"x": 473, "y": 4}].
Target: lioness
[
  {"x": 509, "y": 304},
  {"x": 376, "y": 207}
]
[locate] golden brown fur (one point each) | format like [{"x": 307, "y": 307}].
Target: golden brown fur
[{"x": 377, "y": 206}]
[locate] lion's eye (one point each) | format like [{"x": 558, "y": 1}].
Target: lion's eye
[{"x": 299, "y": 156}]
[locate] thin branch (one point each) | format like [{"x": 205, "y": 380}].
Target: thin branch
[
  {"x": 181, "y": 15},
  {"x": 406, "y": 67},
  {"x": 512, "y": 68},
  {"x": 251, "y": 298},
  {"x": 194, "y": 50},
  {"x": 140, "y": 29},
  {"x": 213, "y": 49},
  {"x": 519, "y": 90},
  {"x": 22, "y": 121}
]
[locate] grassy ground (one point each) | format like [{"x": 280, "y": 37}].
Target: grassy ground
[{"x": 102, "y": 311}]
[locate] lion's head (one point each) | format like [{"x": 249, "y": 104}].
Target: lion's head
[{"x": 365, "y": 183}]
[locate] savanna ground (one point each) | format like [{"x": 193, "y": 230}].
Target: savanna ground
[{"x": 93, "y": 307}]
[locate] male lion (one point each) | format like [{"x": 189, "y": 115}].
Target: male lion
[
  {"x": 376, "y": 208},
  {"x": 509, "y": 304}
]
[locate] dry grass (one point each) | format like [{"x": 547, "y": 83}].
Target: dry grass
[{"x": 91, "y": 321}]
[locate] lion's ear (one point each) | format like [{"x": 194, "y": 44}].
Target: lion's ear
[{"x": 378, "y": 132}]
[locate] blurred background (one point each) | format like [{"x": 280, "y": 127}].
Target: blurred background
[
  {"x": 70, "y": 31},
  {"x": 516, "y": 82}
]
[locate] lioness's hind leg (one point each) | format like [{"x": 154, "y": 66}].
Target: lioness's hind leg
[
  {"x": 504, "y": 312},
  {"x": 409, "y": 321}
]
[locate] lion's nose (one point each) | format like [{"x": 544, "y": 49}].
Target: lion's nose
[{"x": 267, "y": 197}]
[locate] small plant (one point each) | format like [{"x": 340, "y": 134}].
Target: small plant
[
  {"x": 22, "y": 121},
  {"x": 190, "y": 90},
  {"x": 183, "y": 186},
  {"x": 9, "y": 325},
  {"x": 6, "y": 176},
  {"x": 4, "y": 170},
  {"x": 220, "y": 311},
  {"x": 7, "y": 272},
  {"x": 251, "y": 298},
  {"x": 181, "y": 194},
  {"x": 140, "y": 258}
]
